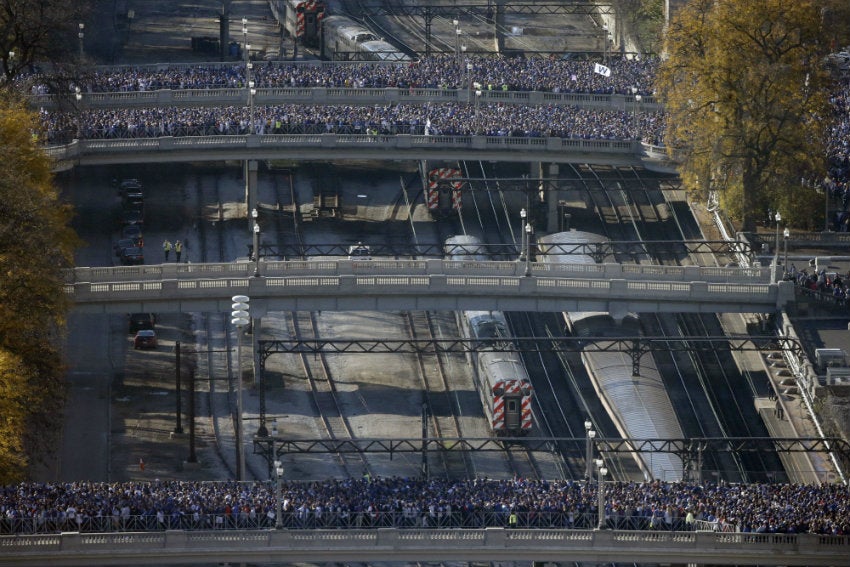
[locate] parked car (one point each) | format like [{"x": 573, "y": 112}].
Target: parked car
[
  {"x": 132, "y": 256},
  {"x": 141, "y": 321},
  {"x": 124, "y": 243},
  {"x": 146, "y": 338},
  {"x": 133, "y": 231},
  {"x": 133, "y": 216}
]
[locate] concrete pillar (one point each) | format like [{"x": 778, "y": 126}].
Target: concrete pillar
[
  {"x": 250, "y": 174},
  {"x": 499, "y": 26}
]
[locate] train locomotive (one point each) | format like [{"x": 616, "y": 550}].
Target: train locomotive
[
  {"x": 638, "y": 404},
  {"x": 301, "y": 19},
  {"x": 500, "y": 376}
]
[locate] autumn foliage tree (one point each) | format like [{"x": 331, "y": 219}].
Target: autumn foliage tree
[
  {"x": 746, "y": 90},
  {"x": 36, "y": 245}
]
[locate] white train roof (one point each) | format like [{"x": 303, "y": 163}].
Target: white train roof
[{"x": 347, "y": 28}]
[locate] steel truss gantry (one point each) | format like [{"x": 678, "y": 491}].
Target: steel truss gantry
[
  {"x": 481, "y": 10},
  {"x": 689, "y": 450},
  {"x": 599, "y": 251},
  {"x": 635, "y": 346}
]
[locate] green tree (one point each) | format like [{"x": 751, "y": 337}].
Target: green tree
[
  {"x": 36, "y": 245},
  {"x": 746, "y": 93}
]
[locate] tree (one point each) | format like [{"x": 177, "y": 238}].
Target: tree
[
  {"x": 745, "y": 90},
  {"x": 39, "y": 32},
  {"x": 36, "y": 245}
]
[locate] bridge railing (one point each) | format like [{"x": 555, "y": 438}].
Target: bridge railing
[
  {"x": 340, "y": 95},
  {"x": 424, "y": 267}
]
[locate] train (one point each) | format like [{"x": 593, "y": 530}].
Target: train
[
  {"x": 338, "y": 38},
  {"x": 638, "y": 404},
  {"x": 343, "y": 39},
  {"x": 302, "y": 19},
  {"x": 500, "y": 376}
]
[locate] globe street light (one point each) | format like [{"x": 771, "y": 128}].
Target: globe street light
[
  {"x": 278, "y": 516},
  {"x": 240, "y": 318},
  {"x": 787, "y": 234},
  {"x": 778, "y": 219},
  {"x": 81, "y": 35},
  {"x": 256, "y": 244},
  {"x": 522, "y": 214},
  {"x": 588, "y": 449},
  {"x": 601, "y": 492},
  {"x": 469, "y": 82},
  {"x": 528, "y": 249}
]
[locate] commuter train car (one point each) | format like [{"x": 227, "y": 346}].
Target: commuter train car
[
  {"x": 639, "y": 405},
  {"x": 500, "y": 376},
  {"x": 300, "y": 18},
  {"x": 343, "y": 39}
]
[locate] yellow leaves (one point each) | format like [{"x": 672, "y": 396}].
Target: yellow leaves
[
  {"x": 740, "y": 85},
  {"x": 36, "y": 243}
]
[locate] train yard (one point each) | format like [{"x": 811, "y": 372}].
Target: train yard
[{"x": 343, "y": 397}]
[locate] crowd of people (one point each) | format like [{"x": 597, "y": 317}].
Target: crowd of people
[
  {"x": 627, "y": 76},
  {"x": 433, "y": 119},
  {"x": 423, "y": 503}
]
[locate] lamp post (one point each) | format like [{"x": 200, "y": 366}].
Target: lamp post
[
  {"x": 469, "y": 82},
  {"x": 522, "y": 214},
  {"x": 255, "y": 215},
  {"x": 251, "y": 92},
  {"x": 787, "y": 234},
  {"x": 278, "y": 515},
  {"x": 601, "y": 492},
  {"x": 588, "y": 449},
  {"x": 477, "y": 86},
  {"x": 80, "y": 35},
  {"x": 245, "y": 36},
  {"x": 78, "y": 96},
  {"x": 528, "y": 249},
  {"x": 605, "y": 48},
  {"x": 240, "y": 318},
  {"x": 778, "y": 219}
]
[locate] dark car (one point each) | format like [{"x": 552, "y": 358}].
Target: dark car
[
  {"x": 133, "y": 231},
  {"x": 140, "y": 321},
  {"x": 133, "y": 216},
  {"x": 146, "y": 338},
  {"x": 130, "y": 185},
  {"x": 132, "y": 256},
  {"x": 125, "y": 243}
]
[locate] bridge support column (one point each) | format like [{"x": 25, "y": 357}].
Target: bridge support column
[
  {"x": 499, "y": 26},
  {"x": 250, "y": 167}
]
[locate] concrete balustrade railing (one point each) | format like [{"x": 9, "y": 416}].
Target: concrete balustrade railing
[{"x": 357, "y": 545}]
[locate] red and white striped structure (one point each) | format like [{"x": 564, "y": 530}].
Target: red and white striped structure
[
  {"x": 508, "y": 397},
  {"x": 303, "y": 20},
  {"x": 443, "y": 176}
]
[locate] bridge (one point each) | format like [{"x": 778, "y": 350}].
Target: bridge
[
  {"x": 428, "y": 284},
  {"x": 422, "y": 545}
]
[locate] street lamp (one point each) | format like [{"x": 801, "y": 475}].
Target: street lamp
[
  {"x": 278, "y": 515},
  {"x": 469, "y": 82},
  {"x": 605, "y": 48},
  {"x": 255, "y": 215},
  {"x": 522, "y": 214},
  {"x": 245, "y": 36},
  {"x": 778, "y": 219},
  {"x": 251, "y": 92},
  {"x": 81, "y": 35},
  {"x": 528, "y": 249},
  {"x": 601, "y": 492},
  {"x": 787, "y": 234},
  {"x": 240, "y": 318},
  {"x": 457, "y": 47},
  {"x": 588, "y": 449},
  {"x": 477, "y": 86},
  {"x": 79, "y": 98}
]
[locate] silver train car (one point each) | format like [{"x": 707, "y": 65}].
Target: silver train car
[
  {"x": 500, "y": 377},
  {"x": 638, "y": 405},
  {"x": 343, "y": 39}
]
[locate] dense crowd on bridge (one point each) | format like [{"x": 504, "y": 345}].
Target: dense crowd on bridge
[
  {"x": 428, "y": 503},
  {"x": 437, "y": 71},
  {"x": 434, "y": 119}
]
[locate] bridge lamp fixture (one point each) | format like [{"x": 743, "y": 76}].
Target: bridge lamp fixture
[
  {"x": 787, "y": 234},
  {"x": 602, "y": 470},
  {"x": 278, "y": 476},
  {"x": 778, "y": 219},
  {"x": 590, "y": 434},
  {"x": 255, "y": 215},
  {"x": 80, "y": 35},
  {"x": 240, "y": 318},
  {"x": 522, "y": 215},
  {"x": 528, "y": 231}
]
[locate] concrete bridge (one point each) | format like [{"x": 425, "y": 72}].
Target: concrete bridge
[
  {"x": 423, "y": 545},
  {"x": 430, "y": 284}
]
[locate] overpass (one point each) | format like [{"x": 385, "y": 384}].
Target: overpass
[
  {"x": 428, "y": 284},
  {"x": 423, "y": 545},
  {"x": 332, "y": 146}
]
